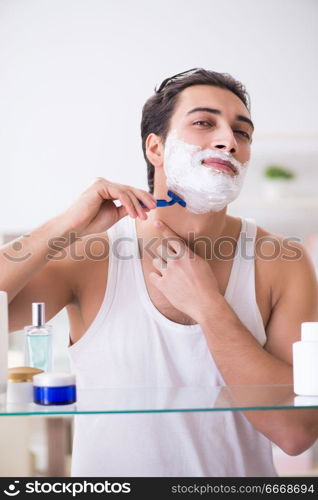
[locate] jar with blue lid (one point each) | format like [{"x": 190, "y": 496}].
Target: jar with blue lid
[{"x": 50, "y": 388}]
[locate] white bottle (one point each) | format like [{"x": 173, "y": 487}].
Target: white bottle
[
  {"x": 3, "y": 345},
  {"x": 305, "y": 361},
  {"x": 20, "y": 384}
]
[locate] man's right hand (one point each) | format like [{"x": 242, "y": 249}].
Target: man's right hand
[{"x": 94, "y": 211}]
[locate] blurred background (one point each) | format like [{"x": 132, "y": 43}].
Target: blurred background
[{"x": 74, "y": 77}]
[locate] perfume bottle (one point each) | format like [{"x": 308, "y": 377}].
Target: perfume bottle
[{"x": 38, "y": 347}]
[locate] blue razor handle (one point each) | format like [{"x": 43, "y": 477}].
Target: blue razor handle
[{"x": 164, "y": 203}]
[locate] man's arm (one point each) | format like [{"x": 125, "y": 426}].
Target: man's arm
[
  {"x": 29, "y": 275},
  {"x": 189, "y": 283},
  {"x": 26, "y": 272},
  {"x": 242, "y": 360}
]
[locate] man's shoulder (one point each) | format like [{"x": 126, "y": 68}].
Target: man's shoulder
[
  {"x": 278, "y": 249},
  {"x": 89, "y": 248},
  {"x": 280, "y": 260},
  {"x": 90, "y": 252},
  {"x": 86, "y": 258}
]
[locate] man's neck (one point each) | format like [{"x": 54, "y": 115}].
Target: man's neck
[{"x": 199, "y": 231}]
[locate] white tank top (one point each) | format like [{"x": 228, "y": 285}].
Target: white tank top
[{"x": 130, "y": 344}]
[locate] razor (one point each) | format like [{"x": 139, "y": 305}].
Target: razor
[{"x": 174, "y": 198}]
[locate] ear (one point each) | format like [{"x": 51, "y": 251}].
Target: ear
[{"x": 154, "y": 150}]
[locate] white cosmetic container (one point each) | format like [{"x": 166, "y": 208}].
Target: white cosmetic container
[
  {"x": 20, "y": 384},
  {"x": 3, "y": 345},
  {"x": 54, "y": 388},
  {"x": 305, "y": 361}
]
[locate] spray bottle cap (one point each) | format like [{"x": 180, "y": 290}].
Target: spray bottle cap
[
  {"x": 38, "y": 313},
  {"x": 309, "y": 331}
]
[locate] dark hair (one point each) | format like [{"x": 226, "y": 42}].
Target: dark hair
[{"x": 158, "y": 109}]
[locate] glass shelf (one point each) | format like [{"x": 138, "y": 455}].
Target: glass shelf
[{"x": 157, "y": 400}]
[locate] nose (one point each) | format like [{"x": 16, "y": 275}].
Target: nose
[{"x": 225, "y": 141}]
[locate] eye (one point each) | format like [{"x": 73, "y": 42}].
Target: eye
[
  {"x": 203, "y": 123},
  {"x": 243, "y": 133}
]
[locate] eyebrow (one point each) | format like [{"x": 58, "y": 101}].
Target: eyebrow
[{"x": 241, "y": 118}]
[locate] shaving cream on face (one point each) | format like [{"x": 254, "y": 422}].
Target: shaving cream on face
[{"x": 203, "y": 188}]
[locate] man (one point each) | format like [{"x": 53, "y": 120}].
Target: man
[{"x": 168, "y": 306}]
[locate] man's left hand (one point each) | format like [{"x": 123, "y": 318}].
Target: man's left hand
[{"x": 185, "y": 278}]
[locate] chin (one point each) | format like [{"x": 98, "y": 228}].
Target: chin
[{"x": 197, "y": 210}]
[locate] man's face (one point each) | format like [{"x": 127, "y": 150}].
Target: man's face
[
  {"x": 222, "y": 121},
  {"x": 207, "y": 148}
]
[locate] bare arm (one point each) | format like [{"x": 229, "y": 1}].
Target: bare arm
[
  {"x": 29, "y": 275},
  {"x": 190, "y": 285},
  {"x": 39, "y": 266},
  {"x": 23, "y": 257},
  {"x": 242, "y": 360}
]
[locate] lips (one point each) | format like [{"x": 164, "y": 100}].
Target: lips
[{"x": 227, "y": 166}]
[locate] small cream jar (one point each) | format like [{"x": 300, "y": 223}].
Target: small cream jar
[{"x": 20, "y": 384}]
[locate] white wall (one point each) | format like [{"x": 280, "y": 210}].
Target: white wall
[{"x": 75, "y": 74}]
